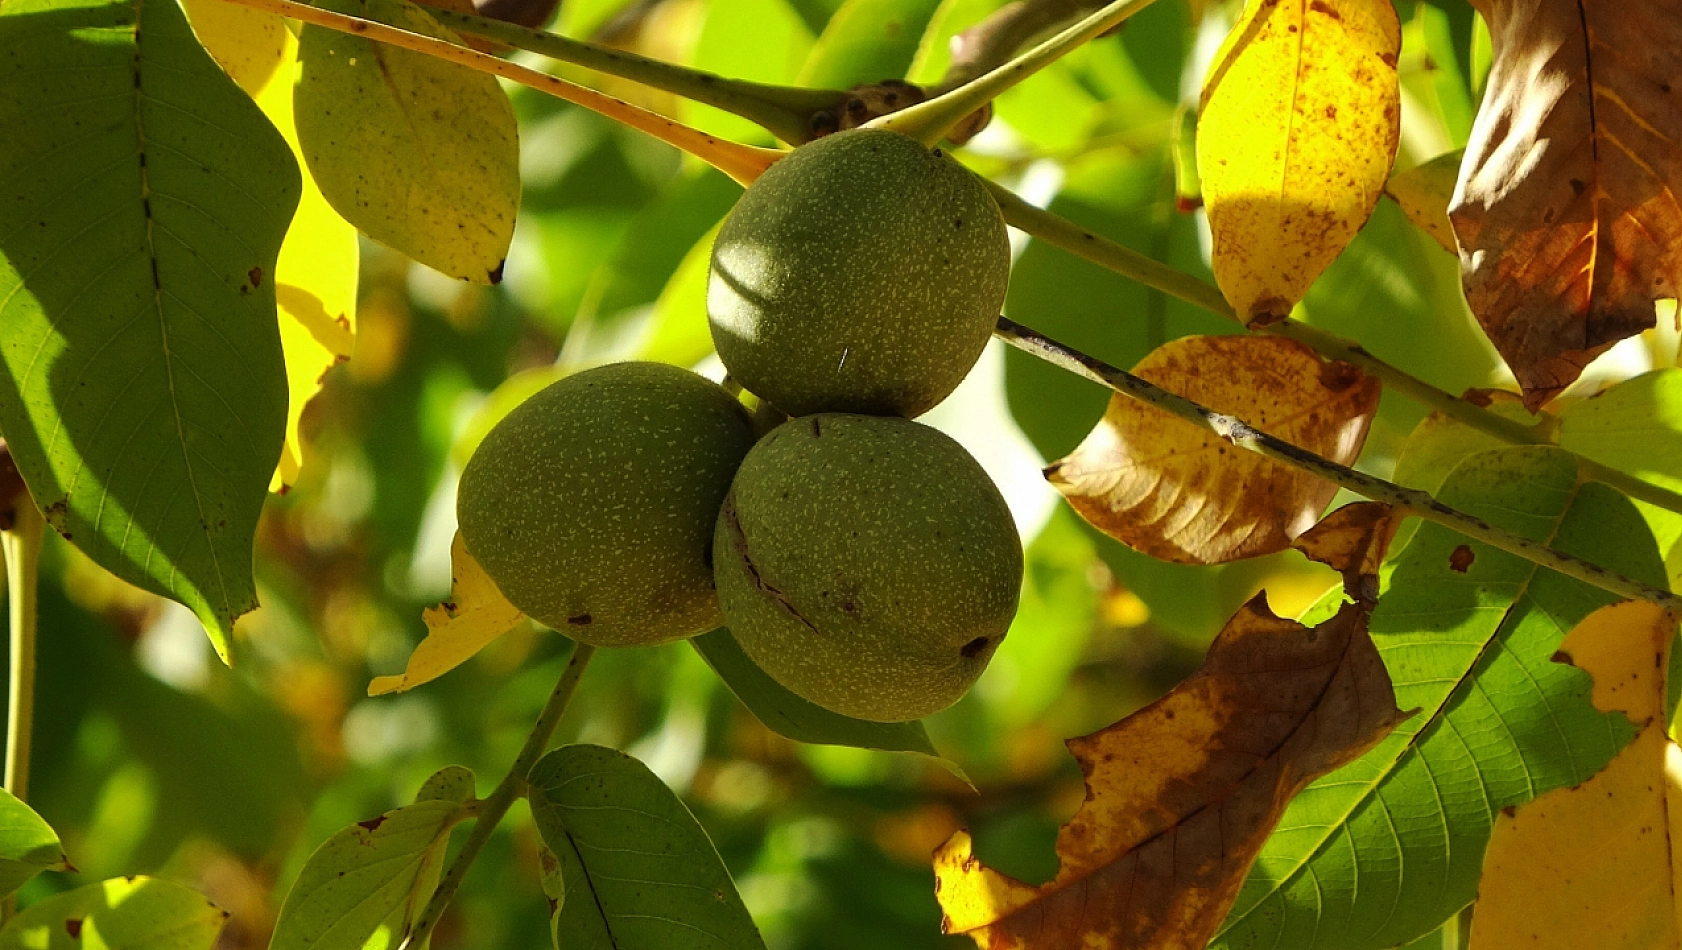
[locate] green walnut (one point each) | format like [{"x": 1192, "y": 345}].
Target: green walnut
[
  {"x": 863, "y": 273},
  {"x": 867, "y": 563},
  {"x": 592, "y": 504}
]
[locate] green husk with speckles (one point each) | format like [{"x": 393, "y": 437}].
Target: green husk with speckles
[
  {"x": 863, "y": 273},
  {"x": 592, "y": 504},
  {"x": 868, "y": 564}
]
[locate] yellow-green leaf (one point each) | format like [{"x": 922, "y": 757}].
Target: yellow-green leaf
[
  {"x": 1423, "y": 193},
  {"x": 315, "y": 277},
  {"x": 1593, "y": 865},
  {"x": 1296, "y": 134},
  {"x": 420, "y": 154},
  {"x": 123, "y": 913},
  {"x": 475, "y": 614}
]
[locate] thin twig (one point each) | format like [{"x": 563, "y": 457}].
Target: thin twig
[
  {"x": 512, "y": 786},
  {"x": 1063, "y": 233},
  {"x": 1411, "y": 501},
  {"x": 744, "y": 163},
  {"x": 784, "y": 111},
  {"x": 929, "y": 121}
]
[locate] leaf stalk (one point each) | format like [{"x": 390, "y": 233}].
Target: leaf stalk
[
  {"x": 744, "y": 163},
  {"x": 929, "y": 121},
  {"x": 1063, "y": 233},
  {"x": 22, "y": 543},
  {"x": 513, "y": 785},
  {"x": 784, "y": 111},
  {"x": 1242, "y": 434}
]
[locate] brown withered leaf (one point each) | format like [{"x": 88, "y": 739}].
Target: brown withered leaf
[
  {"x": 1165, "y": 487},
  {"x": 1181, "y": 795},
  {"x": 1566, "y": 208}
]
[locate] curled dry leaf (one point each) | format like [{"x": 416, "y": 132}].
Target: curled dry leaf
[
  {"x": 475, "y": 614},
  {"x": 1296, "y": 133},
  {"x": 1592, "y": 866},
  {"x": 1181, "y": 795},
  {"x": 1171, "y": 490},
  {"x": 1566, "y": 209}
]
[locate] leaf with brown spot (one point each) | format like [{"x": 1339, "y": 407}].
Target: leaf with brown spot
[
  {"x": 475, "y": 614},
  {"x": 1182, "y": 794},
  {"x": 1296, "y": 132},
  {"x": 1176, "y": 492},
  {"x": 1566, "y": 210}
]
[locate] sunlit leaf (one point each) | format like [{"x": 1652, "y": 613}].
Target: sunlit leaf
[
  {"x": 1174, "y": 491},
  {"x": 644, "y": 874},
  {"x": 125, "y": 913},
  {"x": 143, "y": 199},
  {"x": 475, "y": 614},
  {"x": 315, "y": 277},
  {"x": 420, "y": 154},
  {"x": 1423, "y": 193},
  {"x": 1566, "y": 209},
  {"x": 1636, "y": 427},
  {"x": 378, "y": 872},
  {"x": 1386, "y": 848},
  {"x": 789, "y": 715},
  {"x": 1593, "y": 865},
  {"x": 867, "y": 41},
  {"x": 28, "y": 845},
  {"x": 1296, "y": 132},
  {"x": 1181, "y": 795}
]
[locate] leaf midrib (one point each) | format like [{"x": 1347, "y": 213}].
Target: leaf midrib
[{"x": 1411, "y": 745}]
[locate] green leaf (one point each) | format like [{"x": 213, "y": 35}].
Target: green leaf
[
  {"x": 1383, "y": 850},
  {"x": 376, "y": 872},
  {"x": 620, "y": 317},
  {"x": 934, "y": 52},
  {"x": 638, "y": 871},
  {"x": 787, "y": 714},
  {"x": 452, "y": 783},
  {"x": 1636, "y": 427},
  {"x": 867, "y": 41},
  {"x": 419, "y": 154},
  {"x": 757, "y": 40},
  {"x": 28, "y": 845},
  {"x": 143, "y": 200},
  {"x": 677, "y": 329},
  {"x": 124, "y": 913}
]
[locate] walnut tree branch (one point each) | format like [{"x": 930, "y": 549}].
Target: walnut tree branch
[
  {"x": 744, "y": 163},
  {"x": 1063, "y": 233},
  {"x": 1242, "y": 434}
]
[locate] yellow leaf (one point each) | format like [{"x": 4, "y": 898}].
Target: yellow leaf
[
  {"x": 315, "y": 276},
  {"x": 475, "y": 614},
  {"x": 1296, "y": 134},
  {"x": 1595, "y": 865},
  {"x": 1423, "y": 193},
  {"x": 1181, "y": 795},
  {"x": 1163, "y": 486},
  {"x": 420, "y": 154}
]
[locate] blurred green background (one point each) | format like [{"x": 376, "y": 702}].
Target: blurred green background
[{"x": 151, "y": 757}]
